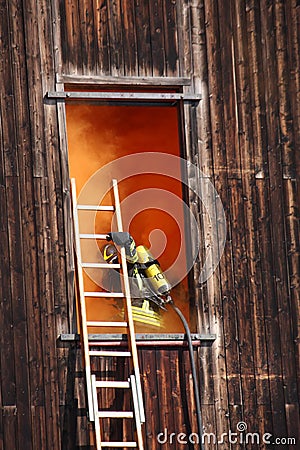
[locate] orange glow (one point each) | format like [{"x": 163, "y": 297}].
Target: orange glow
[{"x": 100, "y": 134}]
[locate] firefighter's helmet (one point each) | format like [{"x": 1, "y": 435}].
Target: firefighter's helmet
[{"x": 110, "y": 254}]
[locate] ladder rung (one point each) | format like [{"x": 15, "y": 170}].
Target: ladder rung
[
  {"x": 101, "y": 265},
  {"x": 104, "y": 294},
  {"x": 108, "y": 353},
  {"x": 91, "y": 323},
  {"x": 116, "y": 414},
  {"x": 96, "y": 207},
  {"x": 92, "y": 236},
  {"x": 118, "y": 444},
  {"x": 113, "y": 384}
]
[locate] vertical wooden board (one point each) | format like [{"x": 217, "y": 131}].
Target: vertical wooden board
[
  {"x": 277, "y": 213},
  {"x": 268, "y": 294},
  {"x": 1, "y": 402},
  {"x": 205, "y": 374},
  {"x": 228, "y": 65},
  {"x": 285, "y": 109},
  {"x": 152, "y": 426},
  {"x": 201, "y": 85},
  {"x": 6, "y": 323},
  {"x": 2, "y": 172},
  {"x": 88, "y": 42},
  {"x": 53, "y": 162},
  {"x": 102, "y": 36},
  {"x": 293, "y": 54},
  {"x": 293, "y": 421},
  {"x": 260, "y": 349},
  {"x": 264, "y": 419},
  {"x": 10, "y": 427},
  {"x": 291, "y": 195},
  {"x": 171, "y": 38},
  {"x": 143, "y": 39},
  {"x": 225, "y": 356},
  {"x": 250, "y": 165},
  {"x": 230, "y": 328},
  {"x": 157, "y": 37},
  {"x": 215, "y": 88},
  {"x": 82, "y": 430},
  {"x": 243, "y": 302},
  {"x": 280, "y": 276},
  {"x": 115, "y": 38},
  {"x": 68, "y": 403},
  {"x": 184, "y": 38},
  {"x": 177, "y": 399},
  {"x": 61, "y": 9},
  {"x": 40, "y": 437},
  {"x": 67, "y": 226},
  {"x": 257, "y": 87},
  {"x": 26, "y": 215},
  {"x": 71, "y": 38},
  {"x": 242, "y": 82},
  {"x": 48, "y": 331},
  {"x": 35, "y": 92},
  {"x": 189, "y": 405},
  {"x": 7, "y": 112},
  {"x": 129, "y": 38},
  {"x": 209, "y": 425},
  {"x": 164, "y": 391}
]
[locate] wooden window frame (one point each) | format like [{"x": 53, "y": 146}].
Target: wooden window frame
[{"x": 183, "y": 100}]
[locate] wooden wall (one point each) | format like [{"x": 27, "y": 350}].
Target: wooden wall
[
  {"x": 243, "y": 57},
  {"x": 33, "y": 283}
]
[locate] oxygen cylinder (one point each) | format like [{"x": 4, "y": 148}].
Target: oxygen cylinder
[{"x": 152, "y": 271}]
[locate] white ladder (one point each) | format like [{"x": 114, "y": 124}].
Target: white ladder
[{"x": 92, "y": 384}]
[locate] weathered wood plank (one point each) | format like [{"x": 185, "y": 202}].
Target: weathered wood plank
[
  {"x": 226, "y": 389},
  {"x": 19, "y": 194},
  {"x": 10, "y": 426},
  {"x": 285, "y": 109},
  {"x": 126, "y": 80},
  {"x": 153, "y": 425},
  {"x": 6, "y": 321},
  {"x": 171, "y": 38},
  {"x": 243, "y": 303},
  {"x": 157, "y": 37},
  {"x": 277, "y": 223},
  {"x": 35, "y": 93},
  {"x": 184, "y": 39},
  {"x": 115, "y": 38},
  {"x": 129, "y": 38},
  {"x": 293, "y": 51},
  {"x": 164, "y": 391},
  {"x": 272, "y": 331},
  {"x": 102, "y": 65},
  {"x": 70, "y": 36},
  {"x": 228, "y": 63},
  {"x": 19, "y": 319},
  {"x": 257, "y": 87},
  {"x": 143, "y": 43},
  {"x": 87, "y": 32},
  {"x": 7, "y": 112}
]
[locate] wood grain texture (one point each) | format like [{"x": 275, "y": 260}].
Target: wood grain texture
[{"x": 243, "y": 57}]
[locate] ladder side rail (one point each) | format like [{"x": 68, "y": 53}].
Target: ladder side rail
[
  {"x": 136, "y": 407},
  {"x": 128, "y": 306},
  {"x": 84, "y": 331},
  {"x": 96, "y": 413},
  {"x": 131, "y": 334}
]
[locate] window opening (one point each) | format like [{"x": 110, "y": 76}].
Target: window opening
[{"x": 100, "y": 134}]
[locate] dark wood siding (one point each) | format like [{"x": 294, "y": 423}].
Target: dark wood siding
[
  {"x": 120, "y": 38},
  {"x": 243, "y": 57}
]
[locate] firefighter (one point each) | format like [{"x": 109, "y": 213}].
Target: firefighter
[{"x": 150, "y": 289}]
